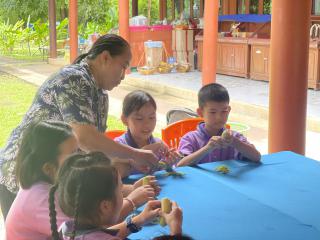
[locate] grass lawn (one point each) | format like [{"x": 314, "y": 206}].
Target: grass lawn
[
  {"x": 15, "y": 99},
  {"x": 23, "y": 54}
]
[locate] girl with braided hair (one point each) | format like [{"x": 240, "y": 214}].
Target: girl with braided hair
[
  {"x": 45, "y": 145},
  {"x": 89, "y": 190}
]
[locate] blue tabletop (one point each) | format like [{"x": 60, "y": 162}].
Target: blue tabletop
[{"x": 277, "y": 199}]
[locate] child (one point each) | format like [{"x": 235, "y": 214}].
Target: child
[
  {"x": 90, "y": 191},
  {"x": 206, "y": 144},
  {"x": 139, "y": 115},
  {"x": 45, "y": 145}
]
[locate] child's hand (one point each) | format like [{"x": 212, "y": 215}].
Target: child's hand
[
  {"x": 153, "y": 183},
  {"x": 149, "y": 213},
  {"x": 141, "y": 195},
  {"x": 174, "y": 219},
  {"x": 227, "y": 136},
  {"x": 216, "y": 142}
]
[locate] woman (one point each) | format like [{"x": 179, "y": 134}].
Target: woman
[{"x": 77, "y": 95}]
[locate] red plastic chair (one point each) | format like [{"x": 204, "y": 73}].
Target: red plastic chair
[
  {"x": 114, "y": 133},
  {"x": 172, "y": 134}
]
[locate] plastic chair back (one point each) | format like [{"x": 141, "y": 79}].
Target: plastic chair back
[
  {"x": 114, "y": 133},
  {"x": 172, "y": 134}
]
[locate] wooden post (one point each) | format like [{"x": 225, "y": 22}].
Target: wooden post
[
  {"x": 135, "y": 10},
  {"x": 52, "y": 29},
  {"x": 210, "y": 39},
  {"x": 161, "y": 10},
  {"x": 225, "y": 7},
  {"x": 181, "y": 6},
  {"x": 124, "y": 19},
  {"x": 173, "y": 10},
  {"x": 73, "y": 29},
  {"x": 232, "y": 7},
  {"x": 201, "y": 8},
  {"x": 165, "y": 9},
  {"x": 260, "y": 7},
  {"x": 191, "y": 9},
  {"x": 247, "y": 5},
  {"x": 289, "y": 75}
]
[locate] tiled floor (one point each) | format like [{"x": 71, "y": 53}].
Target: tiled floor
[{"x": 240, "y": 89}]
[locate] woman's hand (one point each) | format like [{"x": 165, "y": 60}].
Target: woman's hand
[
  {"x": 144, "y": 160},
  {"x": 141, "y": 195},
  {"x": 164, "y": 153},
  {"x": 150, "y": 212},
  {"x": 152, "y": 182},
  {"x": 172, "y": 156}
]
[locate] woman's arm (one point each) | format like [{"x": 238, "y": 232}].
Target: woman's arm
[{"x": 91, "y": 140}]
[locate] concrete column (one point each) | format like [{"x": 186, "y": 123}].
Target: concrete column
[
  {"x": 289, "y": 75},
  {"x": 210, "y": 37},
  {"x": 73, "y": 29},
  {"x": 52, "y": 29}
]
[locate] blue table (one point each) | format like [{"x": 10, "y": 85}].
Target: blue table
[{"x": 278, "y": 199}]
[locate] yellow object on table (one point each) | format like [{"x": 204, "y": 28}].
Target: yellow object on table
[
  {"x": 146, "y": 70},
  {"x": 146, "y": 181},
  {"x": 223, "y": 169},
  {"x": 164, "y": 67},
  {"x": 165, "y": 208},
  {"x": 183, "y": 67}
]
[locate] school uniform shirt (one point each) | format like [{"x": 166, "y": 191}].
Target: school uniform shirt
[
  {"x": 127, "y": 139},
  {"x": 195, "y": 140},
  {"x": 28, "y": 218},
  {"x": 87, "y": 232},
  {"x": 72, "y": 96}
]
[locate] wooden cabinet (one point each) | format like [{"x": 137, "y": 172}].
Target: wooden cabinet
[
  {"x": 259, "y": 60},
  {"x": 232, "y": 58},
  {"x": 251, "y": 58}
]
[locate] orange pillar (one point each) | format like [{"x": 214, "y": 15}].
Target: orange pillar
[
  {"x": 124, "y": 19},
  {"x": 161, "y": 10},
  {"x": 210, "y": 37},
  {"x": 288, "y": 75},
  {"x": 73, "y": 29}
]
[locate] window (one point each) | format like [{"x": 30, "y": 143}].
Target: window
[{"x": 316, "y": 7}]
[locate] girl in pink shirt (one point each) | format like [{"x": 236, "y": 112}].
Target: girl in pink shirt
[{"x": 44, "y": 147}]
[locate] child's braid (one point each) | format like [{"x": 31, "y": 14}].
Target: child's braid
[{"x": 53, "y": 213}]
